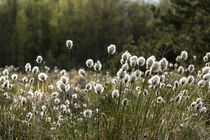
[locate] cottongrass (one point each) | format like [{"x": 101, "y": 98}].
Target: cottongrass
[{"x": 159, "y": 100}]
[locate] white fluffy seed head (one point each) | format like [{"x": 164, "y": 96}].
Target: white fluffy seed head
[
  {"x": 42, "y": 76},
  {"x": 97, "y": 66},
  {"x": 28, "y": 67},
  {"x": 133, "y": 61},
  {"x": 155, "y": 67},
  {"x": 82, "y": 72},
  {"x": 14, "y": 76},
  {"x": 163, "y": 64},
  {"x": 201, "y": 83},
  {"x": 35, "y": 70},
  {"x": 205, "y": 70},
  {"x": 203, "y": 110},
  {"x": 154, "y": 80},
  {"x": 69, "y": 44},
  {"x": 125, "y": 56},
  {"x": 206, "y": 77},
  {"x": 57, "y": 101},
  {"x": 125, "y": 102},
  {"x": 5, "y": 72},
  {"x": 39, "y": 59},
  {"x": 88, "y": 86},
  {"x": 125, "y": 67},
  {"x": 150, "y": 61},
  {"x": 115, "y": 93},
  {"x": 190, "y": 79},
  {"x": 183, "y": 81},
  {"x": 126, "y": 78},
  {"x": 160, "y": 100},
  {"x": 181, "y": 70},
  {"x": 121, "y": 74},
  {"x": 141, "y": 61},
  {"x": 184, "y": 55},
  {"x": 111, "y": 49},
  {"x": 191, "y": 68},
  {"x": 205, "y": 58},
  {"x": 99, "y": 88},
  {"x": 89, "y": 63}
]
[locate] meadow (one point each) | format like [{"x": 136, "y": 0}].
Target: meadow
[{"x": 148, "y": 98}]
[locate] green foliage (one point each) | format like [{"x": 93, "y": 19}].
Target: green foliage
[{"x": 40, "y": 27}]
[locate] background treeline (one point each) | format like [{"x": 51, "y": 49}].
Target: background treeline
[{"x": 40, "y": 27}]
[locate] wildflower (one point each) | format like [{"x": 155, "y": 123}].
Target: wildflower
[
  {"x": 205, "y": 70},
  {"x": 35, "y": 70},
  {"x": 138, "y": 88},
  {"x": 99, "y": 88},
  {"x": 198, "y": 106},
  {"x": 183, "y": 81},
  {"x": 138, "y": 73},
  {"x": 64, "y": 79},
  {"x": 206, "y": 77},
  {"x": 205, "y": 58},
  {"x": 23, "y": 101},
  {"x": 163, "y": 64},
  {"x": 125, "y": 67},
  {"x": 194, "y": 57},
  {"x": 74, "y": 96},
  {"x": 89, "y": 63},
  {"x": 39, "y": 59},
  {"x": 160, "y": 100},
  {"x": 97, "y": 66},
  {"x": 88, "y": 113},
  {"x": 125, "y": 102},
  {"x": 14, "y": 76},
  {"x": 5, "y": 72},
  {"x": 63, "y": 72},
  {"x": 150, "y": 61},
  {"x": 115, "y": 93},
  {"x": 190, "y": 79},
  {"x": 133, "y": 61},
  {"x": 201, "y": 83},
  {"x": 191, "y": 68},
  {"x": 125, "y": 56},
  {"x": 30, "y": 95},
  {"x": 31, "y": 80},
  {"x": 28, "y": 67},
  {"x": 175, "y": 65},
  {"x": 180, "y": 70},
  {"x": 82, "y": 72},
  {"x": 141, "y": 61},
  {"x": 193, "y": 104},
  {"x": 42, "y": 76},
  {"x": 203, "y": 110},
  {"x": 121, "y": 74},
  {"x": 43, "y": 107},
  {"x": 69, "y": 44},
  {"x": 6, "y": 95},
  {"x": 132, "y": 77},
  {"x": 155, "y": 67},
  {"x": 154, "y": 80},
  {"x": 57, "y": 101},
  {"x": 88, "y": 86},
  {"x": 111, "y": 49},
  {"x": 184, "y": 55},
  {"x": 178, "y": 58},
  {"x": 51, "y": 87},
  {"x": 55, "y": 94},
  {"x": 147, "y": 73}
]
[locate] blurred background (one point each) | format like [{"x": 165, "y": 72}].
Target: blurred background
[{"x": 144, "y": 27}]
